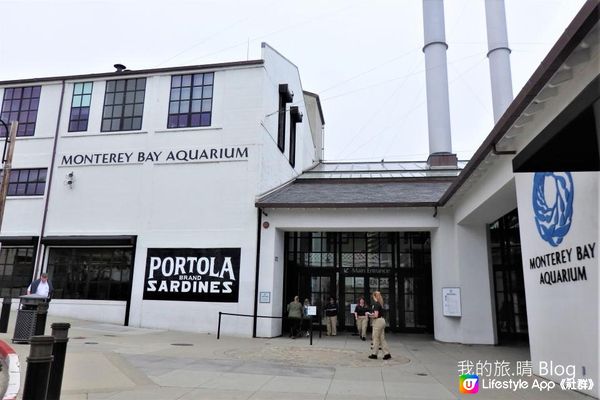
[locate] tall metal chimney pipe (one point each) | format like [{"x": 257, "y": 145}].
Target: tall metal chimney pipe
[
  {"x": 436, "y": 75},
  {"x": 498, "y": 56}
]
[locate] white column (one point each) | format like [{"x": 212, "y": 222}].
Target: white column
[
  {"x": 436, "y": 75},
  {"x": 498, "y": 56}
]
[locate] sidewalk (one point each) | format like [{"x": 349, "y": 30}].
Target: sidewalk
[{"x": 124, "y": 363}]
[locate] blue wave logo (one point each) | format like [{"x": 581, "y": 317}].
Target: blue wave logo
[{"x": 553, "y": 205}]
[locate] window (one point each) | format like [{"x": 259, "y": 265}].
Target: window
[
  {"x": 123, "y": 105},
  {"x": 285, "y": 96},
  {"x": 21, "y": 104},
  {"x": 190, "y": 104},
  {"x": 295, "y": 117},
  {"x": 80, "y": 107},
  {"x": 27, "y": 182},
  {"x": 101, "y": 273},
  {"x": 16, "y": 270}
]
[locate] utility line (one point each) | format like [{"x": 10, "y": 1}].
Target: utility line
[
  {"x": 245, "y": 42},
  {"x": 393, "y": 79},
  {"x": 367, "y": 71}
]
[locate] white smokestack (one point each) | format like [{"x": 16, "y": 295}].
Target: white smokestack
[
  {"x": 436, "y": 75},
  {"x": 499, "y": 56}
]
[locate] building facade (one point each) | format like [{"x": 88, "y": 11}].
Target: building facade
[
  {"x": 112, "y": 169},
  {"x": 161, "y": 198}
]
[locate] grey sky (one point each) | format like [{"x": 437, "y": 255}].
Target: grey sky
[{"x": 363, "y": 58}]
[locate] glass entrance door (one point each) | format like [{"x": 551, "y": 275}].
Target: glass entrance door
[
  {"x": 509, "y": 288},
  {"x": 350, "y": 265}
]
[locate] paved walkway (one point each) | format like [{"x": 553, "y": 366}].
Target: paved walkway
[{"x": 123, "y": 363}]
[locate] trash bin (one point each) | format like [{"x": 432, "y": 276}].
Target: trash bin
[{"x": 27, "y": 317}]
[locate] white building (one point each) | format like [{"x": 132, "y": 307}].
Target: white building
[{"x": 145, "y": 220}]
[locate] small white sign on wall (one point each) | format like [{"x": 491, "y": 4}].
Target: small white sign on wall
[
  {"x": 265, "y": 297},
  {"x": 451, "y": 302},
  {"x": 311, "y": 310}
]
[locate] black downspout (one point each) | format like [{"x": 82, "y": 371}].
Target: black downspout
[
  {"x": 128, "y": 304},
  {"x": 258, "y": 233},
  {"x": 39, "y": 264}
]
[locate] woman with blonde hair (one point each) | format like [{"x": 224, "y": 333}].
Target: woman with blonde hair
[{"x": 378, "y": 324}]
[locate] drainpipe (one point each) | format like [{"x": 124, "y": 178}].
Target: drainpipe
[
  {"x": 39, "y": 257},
  {"x": 498, "y": 56},
  {"x": 258, "y": 233}
]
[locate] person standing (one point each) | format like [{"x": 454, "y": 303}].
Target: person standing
[
  {"x": 362, "y": 321},
  {"x": 331, "y": 311},
  {"x": 378, "y": 324},
  {"x": 294, "y": 310},
  {"x": 306, "y": 319},
  {"x": 42, "y": 287}
]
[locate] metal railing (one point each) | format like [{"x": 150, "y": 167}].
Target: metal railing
[
  {"x": 240, "y": 315},
  {"x": 264, "y": 316}
]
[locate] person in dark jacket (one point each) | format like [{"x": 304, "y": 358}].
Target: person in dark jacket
[
  {"x": 362, "y": 321},
  {"x": 331, "y": 311},
  {"x": 42, "y": 287},
  {"x": 294, "y": 310}
]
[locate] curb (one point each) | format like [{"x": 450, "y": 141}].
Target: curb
[{"x": 14, "y": 373}]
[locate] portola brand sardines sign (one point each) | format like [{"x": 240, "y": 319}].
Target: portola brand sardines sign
[{"x": 192, "y": 274}]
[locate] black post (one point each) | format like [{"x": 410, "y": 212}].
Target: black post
[
  {"x": 219, "y": 327},
  {"x": 4, "y": 316},
  {"x": 311, "y": 329},
  {"x": 60, "y": 332},
  {"x": 320, "y": 323},
  {"x": 38, "y": 368},
  {"x": 40, "y": 318}
]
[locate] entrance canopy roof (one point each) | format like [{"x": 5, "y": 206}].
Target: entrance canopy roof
[{"x": 365, "y": 184}]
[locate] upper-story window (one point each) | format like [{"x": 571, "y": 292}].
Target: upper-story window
[
  {"x": 123, "y": 105},
  {"x": 27, "y": 182},
  {"x": 285, "y": 96},
  {"x": 295, "y": 118},
  {"x": 80, "y": 107},
  {"x": 21, "y": 104},
  {"x": 191, "y": 100}
]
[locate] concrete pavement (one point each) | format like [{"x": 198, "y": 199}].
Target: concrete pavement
[{"x": 124, "y": 363}]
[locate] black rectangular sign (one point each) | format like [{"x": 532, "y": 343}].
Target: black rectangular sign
[{"x": 192, "y": 275}]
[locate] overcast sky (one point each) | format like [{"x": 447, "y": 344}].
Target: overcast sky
[{"x": 363, "y": 58}]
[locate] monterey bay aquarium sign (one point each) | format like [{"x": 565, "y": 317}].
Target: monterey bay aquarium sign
[
  {"x": 192, "y": 155},
  {"x": 553, "y": 205},
  {"x": 192, "y": 275}
]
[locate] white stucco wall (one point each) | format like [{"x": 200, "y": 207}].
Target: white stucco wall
[
  {"x": 292, "y": 220},
  {"x": 563, "y": 316},
  {"x": 23, "y": 214},
  {"x": 166, "y": 205}
]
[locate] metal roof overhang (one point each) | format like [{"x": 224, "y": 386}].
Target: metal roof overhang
[{"x": 569, "y": 143}]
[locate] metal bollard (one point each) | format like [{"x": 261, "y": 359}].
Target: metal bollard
[
  {"x": 4, "y": 316},
  {"x": 60, "y": 332},
  {"x": 38, "y": 368},
  {"x": 40, "y": 318}
]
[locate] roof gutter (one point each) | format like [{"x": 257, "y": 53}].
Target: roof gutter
[{"x": 581, "y": 25}]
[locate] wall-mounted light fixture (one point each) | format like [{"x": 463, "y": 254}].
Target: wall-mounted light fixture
[{"x": 70, "y": 178}]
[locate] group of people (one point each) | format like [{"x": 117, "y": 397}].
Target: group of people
[
  {"x": 298, "y": 317},
  {"x": 362, "y": 314}
]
